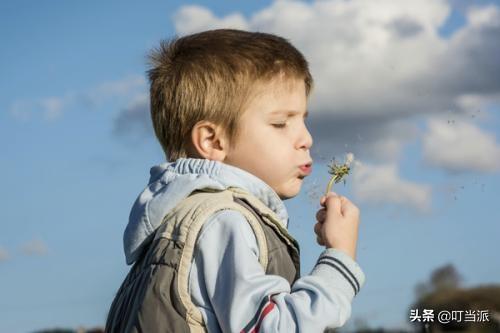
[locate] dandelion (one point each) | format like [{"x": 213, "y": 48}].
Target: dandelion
[{"x": 339, "y": 171}]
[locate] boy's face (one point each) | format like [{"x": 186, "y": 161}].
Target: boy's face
[{"x": 273, "y": 143}]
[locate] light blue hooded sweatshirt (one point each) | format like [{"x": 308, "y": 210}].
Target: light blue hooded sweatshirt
[{"x": 226, "y": 281}]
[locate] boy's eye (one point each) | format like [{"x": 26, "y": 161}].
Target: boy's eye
[{"x": 281, "y": 125}]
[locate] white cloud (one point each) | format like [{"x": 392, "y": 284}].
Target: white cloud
[
  {"x": 379, "y": 184},
  {"x": 123, "y": 87},
  {"x": 460, "y": 146},
  {"x": 34, "y": 247},
  {"x": 479, "y": 16},
  {"x": 51, "y": 108},
  {"x": 192, "y": 18}
]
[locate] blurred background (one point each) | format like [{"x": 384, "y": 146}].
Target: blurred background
[{"x": 412, "y": 88}]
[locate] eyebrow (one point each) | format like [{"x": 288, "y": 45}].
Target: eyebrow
[{"x": 289, "y": 113}]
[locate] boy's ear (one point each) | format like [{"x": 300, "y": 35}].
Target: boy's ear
[{"x": 208, "y": 141}]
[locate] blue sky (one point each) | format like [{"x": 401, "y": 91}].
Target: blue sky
[{"x": 77, "y": 148}]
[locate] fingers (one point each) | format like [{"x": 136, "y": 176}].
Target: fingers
[
  {"x": 320, "y": 215},
  {"x": 317, "y": 228},
  {"x": 317, "y": 231}
]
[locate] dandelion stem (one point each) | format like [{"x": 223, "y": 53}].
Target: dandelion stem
[{"x": 330, "y": 184}]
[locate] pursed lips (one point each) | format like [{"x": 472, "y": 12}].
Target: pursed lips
[{"x": 305, "y": 169}]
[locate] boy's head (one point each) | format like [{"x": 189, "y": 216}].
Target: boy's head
[{"x": 213, "y": 95}]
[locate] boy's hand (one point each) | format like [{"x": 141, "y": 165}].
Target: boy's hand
[{"x": 337, "y": 224}]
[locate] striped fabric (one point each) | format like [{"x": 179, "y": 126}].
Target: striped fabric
[
  {"x": 265, "y": 307},
  {"x": 342, "y": 269}
]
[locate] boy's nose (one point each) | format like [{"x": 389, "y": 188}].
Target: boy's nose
[{"x": 306, "y": 140}]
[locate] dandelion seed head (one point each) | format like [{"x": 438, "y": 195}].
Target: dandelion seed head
[{"x": 349, "y": 158}]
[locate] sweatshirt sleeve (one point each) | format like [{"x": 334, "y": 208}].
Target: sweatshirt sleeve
[{"x": 240, "y": 297}]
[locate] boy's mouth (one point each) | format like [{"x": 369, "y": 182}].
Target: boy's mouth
[{"x": 305, "y": 169}]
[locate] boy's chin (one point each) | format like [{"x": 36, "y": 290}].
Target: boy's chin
[
  {"x": 289, "y": 194},
  {"x": 286, "y": 197}
]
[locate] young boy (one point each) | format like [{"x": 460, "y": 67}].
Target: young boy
[{"x": 208, "y": 235}]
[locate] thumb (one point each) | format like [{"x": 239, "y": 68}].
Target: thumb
[
  {"x": 324, "y": 197},
  {"x": 333, "y": 205}
]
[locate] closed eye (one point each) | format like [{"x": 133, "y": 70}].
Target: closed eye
[{"x": 282, "y": 125}]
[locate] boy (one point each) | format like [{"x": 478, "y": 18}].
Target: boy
[{"x": 208, "y": 236}]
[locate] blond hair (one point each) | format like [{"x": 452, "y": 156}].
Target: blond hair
[{"x": 211, "y": 76}]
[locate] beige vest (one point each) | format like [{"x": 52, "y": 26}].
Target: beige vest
[{"x": 154, "y": 297}]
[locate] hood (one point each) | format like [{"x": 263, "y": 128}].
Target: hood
[{"x": 170, "y": 183}]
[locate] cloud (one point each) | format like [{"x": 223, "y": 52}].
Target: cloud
[
  {"x": 192, "y": 18},
  {"x": 4, "y": 255},
  {"x": 460, "y": 146},
  {"x": 369, "y": 138},
  {"x": 405, "y": 27},
  {"x": 469, "y": 64},
  {"x": 354, "y": 52},
  {"x": 132, "y": 84},
  {"x": 35, "y": 247},
  {"x": 134, "y": 121},
  {"x": 53, "y": 107},
  {"x": 379, "y": 184},
  {"x": 378, "y": 65}
]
